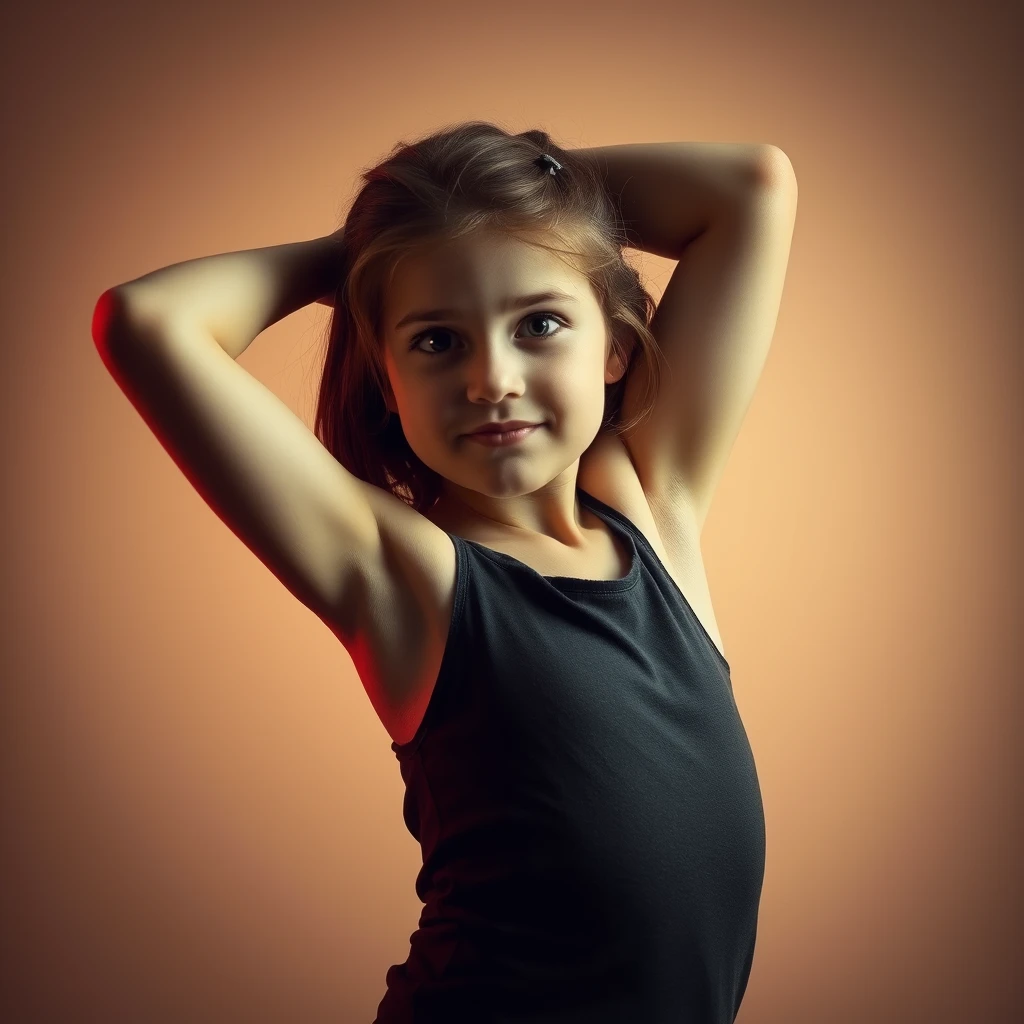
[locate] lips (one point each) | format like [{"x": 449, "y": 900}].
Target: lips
[{"x": 502, "y": 428}]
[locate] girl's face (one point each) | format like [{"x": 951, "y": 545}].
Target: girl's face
[{"x": 460, "y": 351}]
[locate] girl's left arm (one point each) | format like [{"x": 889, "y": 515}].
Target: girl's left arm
[{"x": 669, "y": 192}]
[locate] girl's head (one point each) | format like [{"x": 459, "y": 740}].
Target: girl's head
[{"x": 422, "y": 346}]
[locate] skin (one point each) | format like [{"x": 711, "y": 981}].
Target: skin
[{"x": 487, "y": 365}]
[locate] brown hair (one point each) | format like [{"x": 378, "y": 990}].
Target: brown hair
[{"x": 464, "y": 178}]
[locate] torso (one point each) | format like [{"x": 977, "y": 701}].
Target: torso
[{"x": 607, "y": 473}]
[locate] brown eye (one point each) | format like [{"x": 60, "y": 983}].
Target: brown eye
[{"x": 533, "y": 317}]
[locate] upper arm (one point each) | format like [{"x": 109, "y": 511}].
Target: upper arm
[
  {"x": 252, "y": 460},
  {"x": 714, "y": 325}
]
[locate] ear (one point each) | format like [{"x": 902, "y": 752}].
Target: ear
[{"x": 616, "y": 364}]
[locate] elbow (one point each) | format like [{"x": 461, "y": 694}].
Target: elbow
[
  {"x": 775, "y": 167},
  {"x": 115, "y": 323},
  {"x": 108, "y": 313}
]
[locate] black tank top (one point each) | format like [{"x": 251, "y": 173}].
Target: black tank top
[{"x": 587, "y": 804}]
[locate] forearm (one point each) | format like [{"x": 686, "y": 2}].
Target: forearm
[
  {"x": 238, "y": 295},
  {"x": 668, "y": 192}
]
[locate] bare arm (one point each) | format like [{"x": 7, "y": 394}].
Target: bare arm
[
  {"x": 669, "y": 192},
  {"x": 236, "y": 296},
  {"x": 311, "y": 522}
]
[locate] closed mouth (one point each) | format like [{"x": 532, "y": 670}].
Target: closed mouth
[{"x": 501, "y": 429}]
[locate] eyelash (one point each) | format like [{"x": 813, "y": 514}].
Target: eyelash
[{"x": 540, "y": 315}]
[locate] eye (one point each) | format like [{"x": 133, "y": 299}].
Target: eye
[{"x": 434, "y": 331}]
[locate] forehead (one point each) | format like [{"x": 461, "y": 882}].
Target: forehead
[{"x": 476, "y": 272}]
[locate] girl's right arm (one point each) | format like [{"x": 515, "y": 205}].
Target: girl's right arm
[
  {"x": 170, "y": 341},
  {"x": 238, "y": 295}
]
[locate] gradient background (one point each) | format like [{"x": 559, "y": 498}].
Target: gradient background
[{"x": 201, "y": 811}]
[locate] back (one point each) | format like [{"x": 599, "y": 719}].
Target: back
[{"x": 374, "y": 570}]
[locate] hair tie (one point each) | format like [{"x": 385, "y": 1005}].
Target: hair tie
[{"x": 545, "y": 161}]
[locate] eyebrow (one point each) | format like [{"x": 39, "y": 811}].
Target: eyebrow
[{"x": 505, "y": 306}]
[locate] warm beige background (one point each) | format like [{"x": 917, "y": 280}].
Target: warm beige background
[{"x": 201, "y": 812}]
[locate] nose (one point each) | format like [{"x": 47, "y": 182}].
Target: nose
[{"x": 493, "y": 374}]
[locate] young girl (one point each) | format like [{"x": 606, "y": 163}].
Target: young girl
[{"x": 510, "y": 558}]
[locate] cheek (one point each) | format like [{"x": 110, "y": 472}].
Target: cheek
[{"x": 580, "y": 384}]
